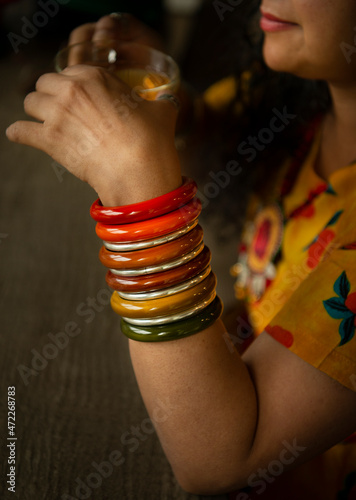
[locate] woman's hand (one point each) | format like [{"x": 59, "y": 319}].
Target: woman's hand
[
  {"x": 118, "y": 27},
  {"x": 100, "y": 130}
]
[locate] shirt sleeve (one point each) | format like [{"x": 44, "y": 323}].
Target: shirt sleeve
[{"x": 318, "y": 321}]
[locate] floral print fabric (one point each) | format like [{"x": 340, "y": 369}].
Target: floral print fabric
[
  {"x": 297, "y": 272},
  {"x": 297, "y": 269}
]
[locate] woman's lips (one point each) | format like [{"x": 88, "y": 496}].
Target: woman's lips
[{"x": 271, "y": 23}]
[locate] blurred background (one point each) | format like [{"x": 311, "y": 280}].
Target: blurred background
[
  {"x": 25, "y": 24},
  {"x": 77, "y": 401}
]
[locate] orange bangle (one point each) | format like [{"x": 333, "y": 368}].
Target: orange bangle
[
  {"x": 153, "y": 255},
  {"x": 139, "y": 245},
  {"x": 139, "y": 271},
  {"x": 165, "y": 306},
  {"x": 157, "y": 281},
  {"x": 151, "y": 228}
]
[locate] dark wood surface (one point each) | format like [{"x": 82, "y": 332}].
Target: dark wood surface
[{"x": 82, "y": 406}]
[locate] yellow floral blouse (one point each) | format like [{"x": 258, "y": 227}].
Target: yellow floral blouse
[
  {"x": 297, "y": 267},
  {"x": 297, "y": 272}
]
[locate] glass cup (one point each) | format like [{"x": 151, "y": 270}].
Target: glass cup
[{"x": 147, "y": 71}]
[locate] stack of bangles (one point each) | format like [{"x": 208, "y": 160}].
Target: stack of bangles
[{"x": 159, "y": 267}]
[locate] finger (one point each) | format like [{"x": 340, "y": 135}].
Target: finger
[
  {"x": 83, "y": 33},
  {"x": 49, "y": 83},
  {"x": 28, "y": 133},
  {"x": 116, "y": 26},
  {"x": 71, "y": 79},
  {"x": 52, "y": 83},
  {"x": 38, "y": 105}
]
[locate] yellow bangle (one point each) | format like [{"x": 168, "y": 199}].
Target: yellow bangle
[
  {"x": 166, "y": 305},
  {"x": 172, "y": 318}
]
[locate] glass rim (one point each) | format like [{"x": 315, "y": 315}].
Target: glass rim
[{"x": 174, "y": 77}]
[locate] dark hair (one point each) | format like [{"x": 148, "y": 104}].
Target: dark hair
[{"x": 234, "y": 47}]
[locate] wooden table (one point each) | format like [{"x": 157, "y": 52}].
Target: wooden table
[{"x": 82, "y": 430}]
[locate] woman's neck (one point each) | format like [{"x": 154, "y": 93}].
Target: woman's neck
[{"x": 338, "y": 134}]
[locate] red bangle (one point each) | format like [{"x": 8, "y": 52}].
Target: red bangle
[
  {"x": 151, "y": 228},
  {"x": 168, "y": 291},
  {"x": 145, "y": 210},
  {"x": 154, "y": 255},
  {"x": 164, "y": 279}
]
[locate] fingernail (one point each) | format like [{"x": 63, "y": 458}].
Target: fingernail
[{"x": 122, "y": 18}]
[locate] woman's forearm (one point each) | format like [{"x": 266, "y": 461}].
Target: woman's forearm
[{"x": 210, "y": 407}]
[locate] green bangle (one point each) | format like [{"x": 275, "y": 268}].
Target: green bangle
[{"x": 177, "y": 330}]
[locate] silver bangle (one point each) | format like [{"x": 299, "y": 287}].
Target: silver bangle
[
  {"x": 165, "y": 292},
  {"x": 161, "y": 320},
  {"x": 161, "y": 267},
  {"x": 138, "y": 245}
]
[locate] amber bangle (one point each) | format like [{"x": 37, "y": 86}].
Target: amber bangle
[
  {"x": 138, "y": 245},
  {"x": 164, "y": 292},
  {"x": 152, "y": 228},
  {"x": 177, "y": 330},
  {"x": 146, "y": 209},
  {"x": 152, "y": 256},
  {"x": 161, "y": 280},
  {"x": 163, "y": 320},
  {"x": 166, "y": 305}
]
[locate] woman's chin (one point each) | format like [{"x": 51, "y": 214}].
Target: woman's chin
[{"x": 276, "y": 58}]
